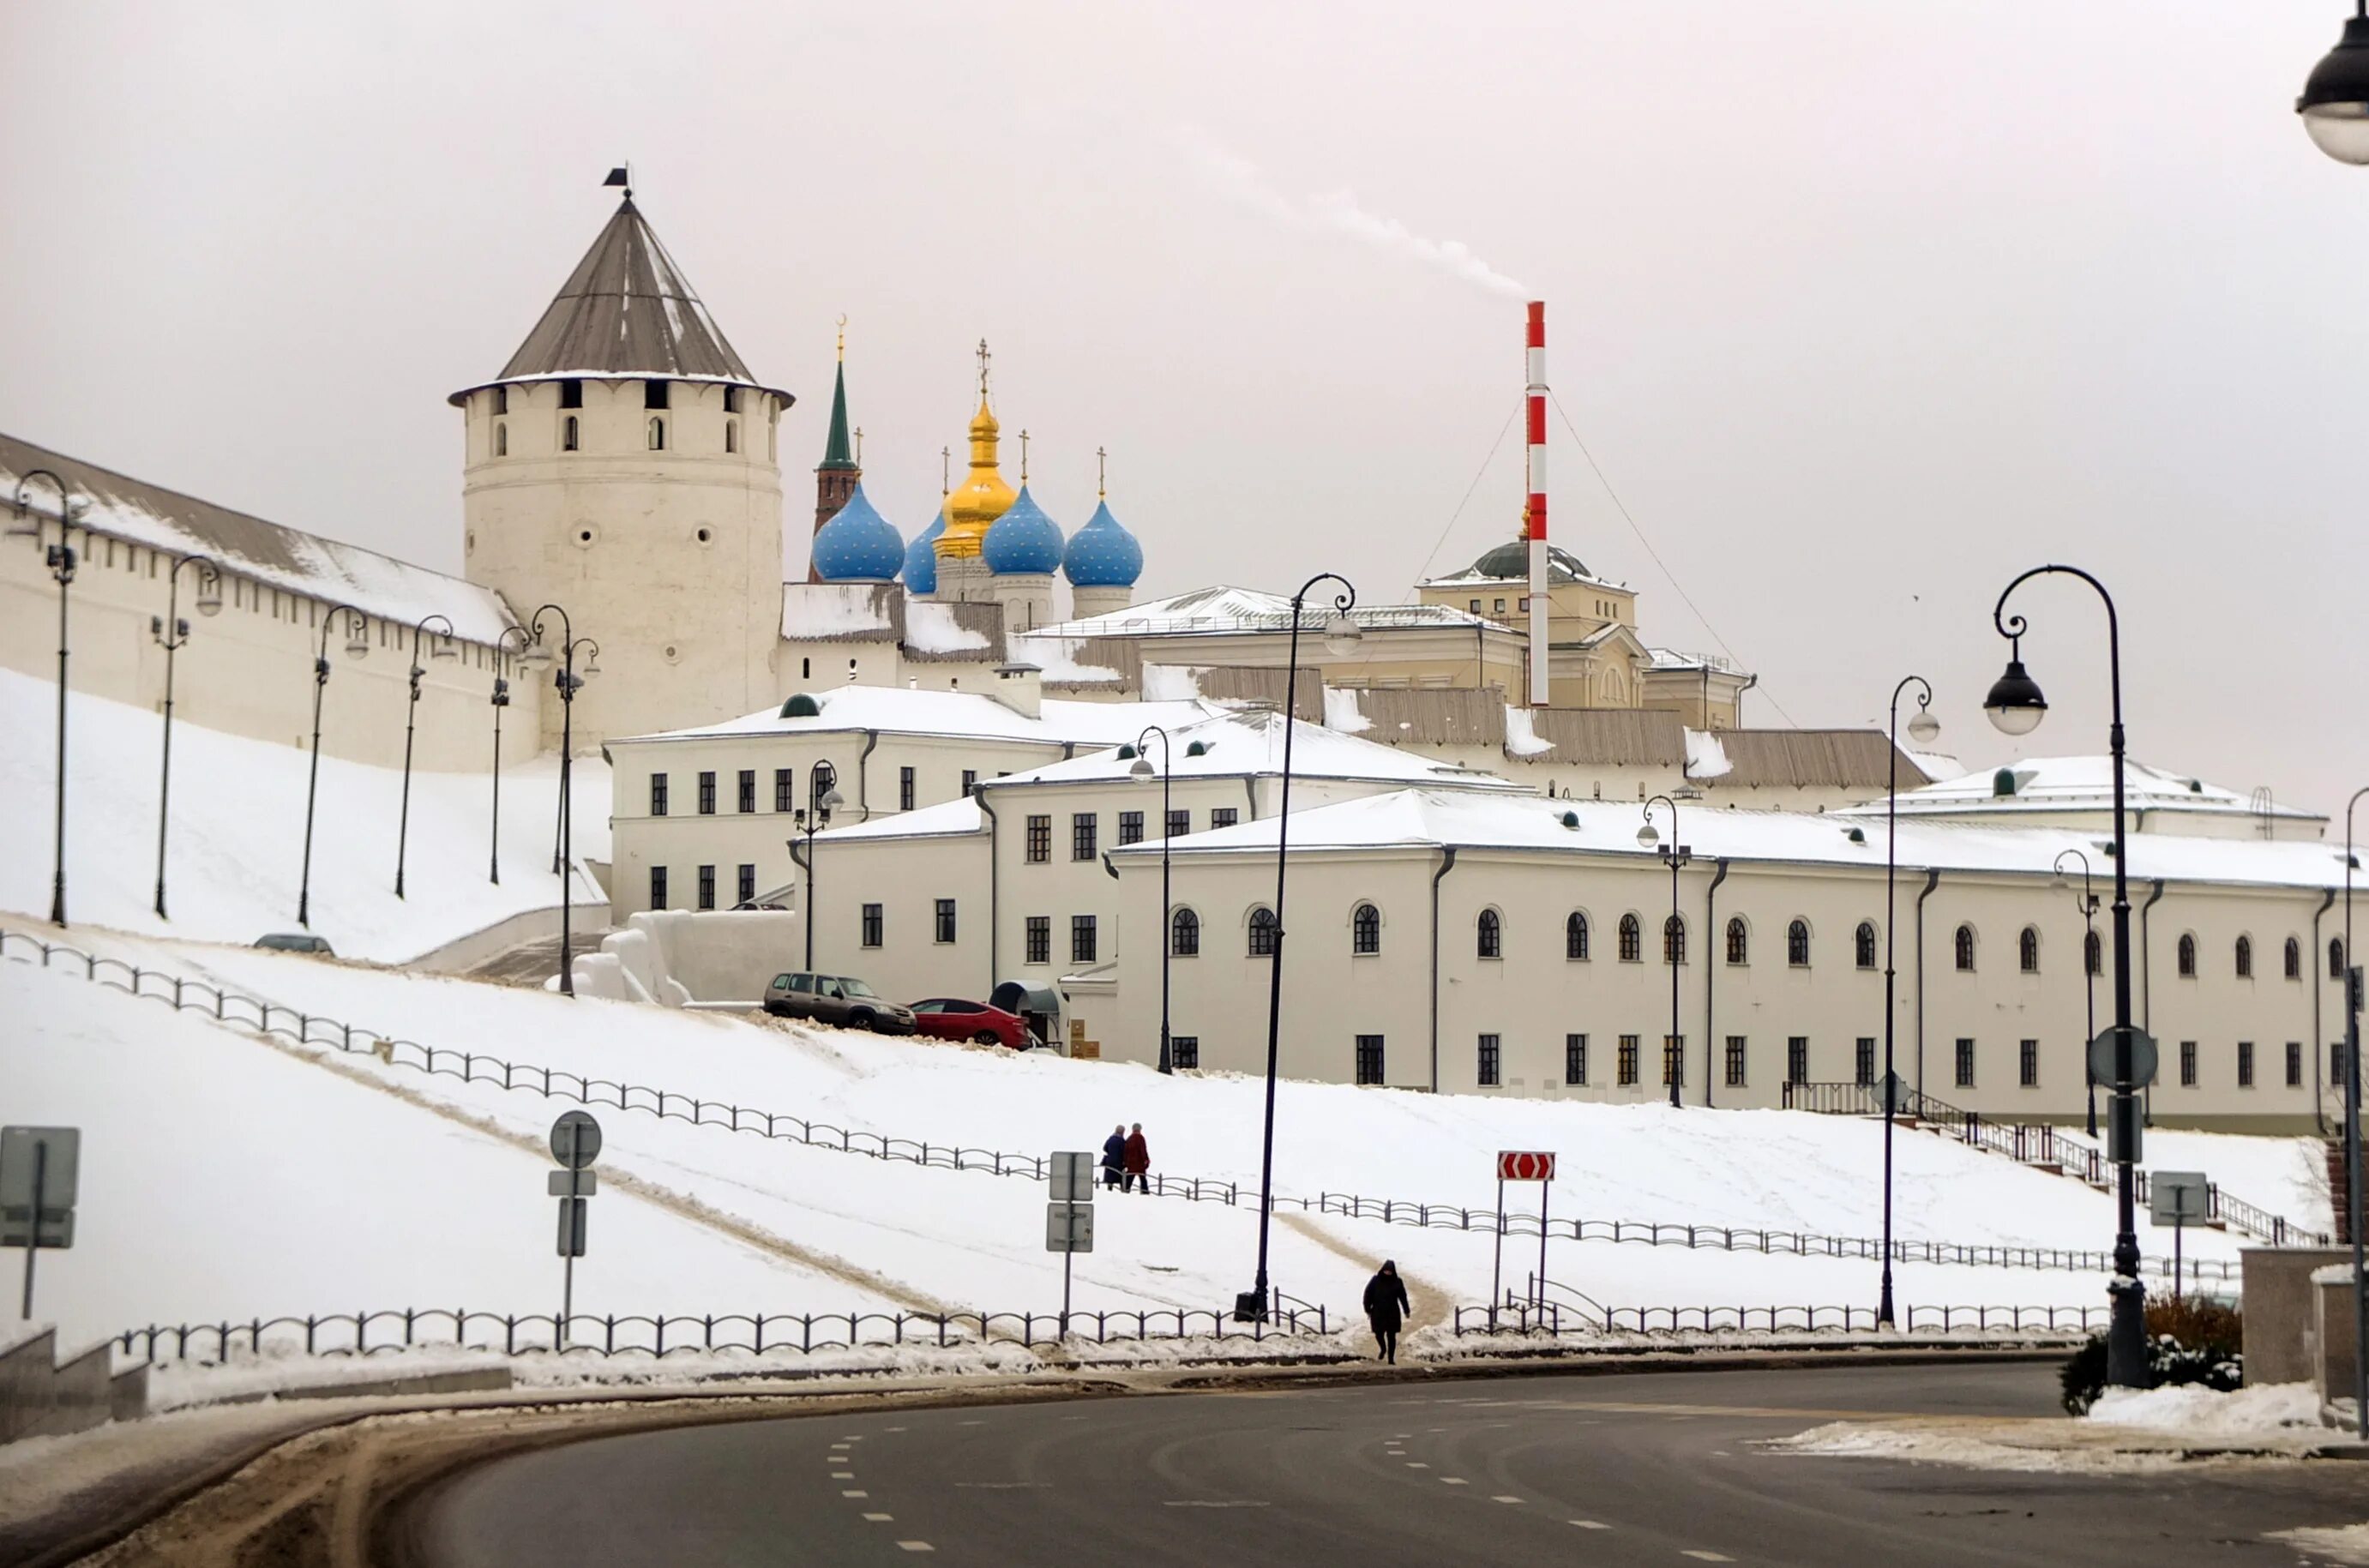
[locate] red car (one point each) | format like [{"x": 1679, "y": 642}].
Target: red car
[{"x": 949, "y": 1018}]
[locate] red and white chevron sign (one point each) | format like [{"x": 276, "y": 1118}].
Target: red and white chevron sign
[{"x": 1520, "y": 1165}]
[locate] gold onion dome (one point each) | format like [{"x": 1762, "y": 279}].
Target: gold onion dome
[{"x": 981, "y": 496}]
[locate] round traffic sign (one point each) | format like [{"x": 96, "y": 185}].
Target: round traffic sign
[
  {"x": 576, "y": 1139},
  {"x": 2143, "y": 1057}
]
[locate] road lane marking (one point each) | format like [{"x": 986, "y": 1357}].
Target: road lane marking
[
  {"x": 1505, "y": 1499},
  {"x": 892, "y": 1429},
  {"x": 916, "y": 1546},
  {"x": 1591, "y": 1524},
  {"x": 1213, "y": 1502},
  {"x": 1707, "y": 1556},
  {"x": 970, "y": 1423},
  {"x": 1453, "y": 1481},
  {"x": 1416, "y": 1464},
  {"x": 879, "y": 1518},
  {"x": 842, "y": 1475},
  {"x": 1006, "y": 1485},
  {"x": 844, "y": 1491}
]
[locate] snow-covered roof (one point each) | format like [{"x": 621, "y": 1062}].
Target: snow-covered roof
[
  {"x": 928, "y": 631},
  {"x": 897, "y": 710},
  {"x": 2057, "y": 784},
  {"x": 1238, "y": 745},
  {"x": 1509, "y": 563},
  {"x": 948, "y": 819},
  {"x": 1221, "y": 611},
  {"x": 249, "y": 547},
  {"x": 1423, "y": 819},
  {"x": 1674, "y": 659}
]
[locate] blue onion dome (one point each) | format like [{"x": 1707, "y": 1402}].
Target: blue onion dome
[
  {"x": 921, "y": 556},
  {"x": 858, "y": 544},
  {"x": 1023, "y": 539},
  {"x": 1101, "y": 553}
]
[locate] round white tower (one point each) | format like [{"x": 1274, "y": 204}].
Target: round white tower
[{"x": 624, "y": 466}]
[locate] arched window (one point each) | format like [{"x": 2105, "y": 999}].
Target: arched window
[
  {"x": 2295, "y": 959},
  {"x": 1366, "y": 930},
  {"x": 658, "y": 435},
  {"x": 1864, "y": 944},
  {"x": 1262, "y": 933},
  {"x": 1574, "y": 937},
  {"x": 2094, "y": 952},
  {"x": 731, "y": 435},
  {"x": 1739, "y": 943},
  {"x": 501, "y": 441},
  {"x": 568, "y": 434},
  {"x": 2187, "y": 956},
  {"x": 2336, "y": 957},
  {"x": 2245, "y": 958},
  {"x": 1674, "y": 940},
  {"x": 2027, "y": 950},
  {"x": 1490, "y": 932},
  {"x": 1185, "y": 935},
  {"x": 1633, "y": 945},
  {"x": 1965, "y": 945},
  {"x": 1797, "y": 944}
]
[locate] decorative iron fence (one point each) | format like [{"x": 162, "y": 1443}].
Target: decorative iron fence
[
  {"x": 557, "y": 1084},
  {"x": 1555, "y": 1318}
]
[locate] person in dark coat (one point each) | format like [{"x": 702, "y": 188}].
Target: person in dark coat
[
  {"x": 1115, "y": 1157},
  {"x": 1386, "y": 1309},
  {"x": 1139, "y": 1162}
]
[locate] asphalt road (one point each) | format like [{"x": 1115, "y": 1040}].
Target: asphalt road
[{"x": 1659, "y": 1468}]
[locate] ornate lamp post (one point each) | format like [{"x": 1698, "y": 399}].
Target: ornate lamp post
[
  {"x": 2016, "y": 706},
  {"x": 1923, "y": 728},
  {"x": 357, "y": 647},
  {"x": 61, "y": 561},
  {"x": 567, "y": 683},
  {"x": 170, "y": 632},
  {"x": 443, "y": 649},
  {"x": 1678, "y": 854},
  {"x": 2087, "y": 902},
  {"x": 500, "y": 700},
  {"x": 1141, "y": 772},
  {"x": 822, "y": 799},
  {"x": 1341, "y": 635}
]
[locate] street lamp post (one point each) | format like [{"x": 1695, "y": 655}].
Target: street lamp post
[
  {"x": 1678, "y": 854},
  {"x": 500, "y": 700},
  {"x": 822, "y": 799},
  {"x": 443, "y": 649},
  {"x": 357, "y": 647},
  {"x": 61, "y": 561},
  {"x": 1341, "y": 637},
  {"x": 2086, "y": 902},
  {"x": 1141, "y": 774},
  {"x": 1923, "y": 728},
  {"x": 567, "y": 683},
  {"x": 2016, "y": 706},
  {"x": 2352, "y": 985},
  {"x": 170, "y": 632}
]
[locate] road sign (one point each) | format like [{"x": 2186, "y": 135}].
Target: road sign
[
  {"x": 2178, "y": 1197},
  {"x": 2143, "y": 1057},
  {"x": 1068, "y": 1227},
  {"x": 572, "y": 1213},
  {"x": 576, "y": 1139},
  {"x": 1895, "y": 1091},
  {"x": 574, "y": 1184},
  {"x": 1071, "y": 1176},
  {"x": 1526, "y": 1166},
  {"x": 37, "y": 1177}
]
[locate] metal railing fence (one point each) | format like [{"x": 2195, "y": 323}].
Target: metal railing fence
[{"x": 1557, "y": 1318}]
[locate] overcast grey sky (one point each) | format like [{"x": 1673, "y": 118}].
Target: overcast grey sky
[{"x": 1863, "y": 305}]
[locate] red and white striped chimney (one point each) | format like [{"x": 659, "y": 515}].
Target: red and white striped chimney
[{"x": 1536, "y": 364}]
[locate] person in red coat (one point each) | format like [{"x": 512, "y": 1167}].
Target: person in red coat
[{"x": 1138, "y": 1162}]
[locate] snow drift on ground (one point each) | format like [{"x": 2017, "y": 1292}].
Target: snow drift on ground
[
  {"x": 2203, "y": 1413},
  {"x": 237, "y": 834}
]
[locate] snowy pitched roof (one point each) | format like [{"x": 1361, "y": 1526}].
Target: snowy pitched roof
[
  {"x": 896, "y": 710},
  {"x": 1221, "y": 610},
  {"x": 2044, "y": 786},
  {"x": 948, "y": 819},
  {"x": 928, "y": 632},
  {"x": 262, "y": 551},
  {"x": 1510, "y": 562},
  {"x": 1238, "y": 745}
]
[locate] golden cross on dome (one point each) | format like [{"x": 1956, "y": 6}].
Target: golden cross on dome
[
  {"x": 984, "y": 358},
  {"x": 859, "y": 446},
  {"x": 945, "y": 470},
  {"x": 1101, "y": 491}
]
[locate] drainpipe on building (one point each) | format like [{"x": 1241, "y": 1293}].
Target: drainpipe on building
[
  {"x": 994, "y": 923},
  {"x": 1932, "y": 880},
  {"x": 1446, "y": 864},
  {"x": 2311, "y": 975},
  {"x": 2147, "y": 994},
  {"x": 863, "y": 795},
  {"x": 801, "y": 881},
  {"x": 1712, "y": 957},
  {"x": 1250, "y": 788}
]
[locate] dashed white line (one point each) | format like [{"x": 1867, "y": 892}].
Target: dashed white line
[
  {"x": 892, "y": 1429},
  {"x": 1505, "y": 1499},
  {"x": 844, "y": 1491},
  {"x": 1416, "y": 1464},
  {"x": 879, "y": 1518},
  {"x": 916, "y": 1546},
  {"x": 842, "y": 1475},
  {"x": 1453, "y": 1481},
  {"x": 1708, "y": 1556},
  {"x": 1591, "y": 1524}
]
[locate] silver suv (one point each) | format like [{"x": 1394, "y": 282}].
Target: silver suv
[{"x": 836, "y": 999}]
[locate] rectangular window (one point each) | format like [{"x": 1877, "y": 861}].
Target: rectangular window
[
  {"x": 653, "y": 395},
  {"x": 1489, "y": 1055},
  {"x": 707, "y": 886},
  {"x": 1185, "y": 1052},
  {"x": 747, "y": 789},
  {"x": 571, "y": 394},
  {"x": 1041, "y": 839},
  {"x": 2187, "y": 1064},
  {"x": 1180, "y": 823},
  {"x": 970, "y": 782},
  {"x": 658, "y": 795},
  {"x": 1086, "y": 835},
  {"x": 1625, "y": 1067},
  {"x": 904, "y": 789},
  {"x": 1965, "y": 1064},
  {"x": 1797, "y": 1058},
  {"x": 2245, "y": 1064},
  {"x": 1081, "y": 939},
  {"x": 783, "y": 786},
  {"x": 1674, "y": 1060},
  {"x": 2294, "y": 1064},
  {"x": 732, "y": 400},
  {"x": 1130, "y": 827},
  {"x": 1574, "y": 1058},
  {"x": 946, "y": 920},
  {"x": 707, "y": 795},
  {"x": 747, "y": 882},
  {"x": 871, "y": 925},
  {"x": 1040, "y": 939},
  {"x": 2027, "y": 1064},
  {"x": 1735, "y": 1061},
  {"x": 1224, "y": 817},
  {"x": 1864, "y": 1061},
  {"x": 658, "y": 887},
  {"x": 1370, "y": 1059}
]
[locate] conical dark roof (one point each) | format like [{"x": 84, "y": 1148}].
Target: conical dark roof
[{"x": 627, "y": 311}]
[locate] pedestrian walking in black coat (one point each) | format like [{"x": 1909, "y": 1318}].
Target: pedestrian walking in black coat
[
  {"x": 1386, "y": 1309},
  {"x": 1115, "y": 1156}
]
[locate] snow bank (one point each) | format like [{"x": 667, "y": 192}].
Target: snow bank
[
  {"x": 931, "y": 627},
  {"x": 2201, "y": 1412}
]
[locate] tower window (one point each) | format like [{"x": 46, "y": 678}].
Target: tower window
[
  {"x": 571, "y": 394},
  {"x": 731, "y": 401},
  {"x": 502, "y": 400},
  {"x": 653, "y": 395},
  {"x": 568, "y": 434},
  {"x": 501, "y": 441},
  {"x": 731, "y": 435},
  {"x": 658, "y": 435}
]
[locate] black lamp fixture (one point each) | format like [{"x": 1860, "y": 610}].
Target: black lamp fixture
[{"x": 2335, "y": 101}]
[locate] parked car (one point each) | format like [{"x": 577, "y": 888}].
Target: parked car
[
  {"x": 296, "y": 941},
  {"x": 950, "y": 1018},
  {"x": 836, "y": 999},
  {"x": 752, "y": 904}
]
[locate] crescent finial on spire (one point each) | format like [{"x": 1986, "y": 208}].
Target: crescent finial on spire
[{"x": 843, "y": 337}]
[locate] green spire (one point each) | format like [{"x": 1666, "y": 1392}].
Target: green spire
[{"x": 836, "y": 454}]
